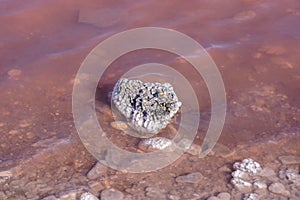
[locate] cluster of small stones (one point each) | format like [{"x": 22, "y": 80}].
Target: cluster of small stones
[
  {"x": 255, "y": 182},
  {"x": 243, "y": 176},
  {"x": 148, "y": 107},
  {"x": 250, "y": 179},
  {"x": 155, "y": 143}
]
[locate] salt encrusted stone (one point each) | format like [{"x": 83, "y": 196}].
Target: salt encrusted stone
[
  {"x": 242, "y": 185},
  {"x": 243, "y": 176},
  {"x": 251, "y": 196},
  {"x": 293, "y": 176},
  {"x": 156, "y": 143},
  {"x": 88, "y": 196},
  {"x": 248, "y": 165},
  {"x": 148, "y": 107},
  {"x": 260, "y": 185}
]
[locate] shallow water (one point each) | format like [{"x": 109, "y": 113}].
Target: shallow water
[{"x": 255, "y": 45}]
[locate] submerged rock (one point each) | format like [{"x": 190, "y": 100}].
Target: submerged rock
[
  {"x": 290, "y": 160},
  {"x": 267, "y": 172},
  {"x": 278, "y": 188},
  {"x": 88, "y": 196},
  {"x": 248, "y": 165},
  {"x": 221, "y": 196},
  {"x": 148, "y": 107},
  {"x": 195, "y": 177},
  {"x": 5, "y": 176},
  {"x": 97, "y": 171},
  {"x": 224, "y": 196},
  {"x": 70, "y": 195},
  {"x": 119, "y": 125},
  {"x": 14, "y": 73},
  {"x": 154, "y": 193},
  {"x": 293, "y": 176},
  {"x": 111, "y": 193},
  {"x": 251, "y": 196},
  {"x": 243, "y": 176},
  {"x": 242, "y": 185},
  {"x": 156, "y": 143},
  {"x": 260, "y": 185},
  {"x": 245, "y": 15}
]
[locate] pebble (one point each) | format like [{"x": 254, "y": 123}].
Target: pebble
[
  {"x": 245, "y": 15},
  {"x": 293, "y": 11},
  {"x": 172, "y": 197},
  {"x": 293, "y": 176},
  {"x": 224, "y": 196},
  {"x": 130, "y": 197},
  {"x": 278, "y": 188},
  {"x": 71, "y": 195},
  {"x": 31, "y": 195},
  {"x": 24, "y": 124},
  {"x": 272, "y": 50},
  {"x": 13, "y": 132},
  {"x": 248, "y": 165},
  {"x": 88, "y": 196},
  {"x": 154, "y": 193},
  {"x": 51, "y": 197},
  {"x": 104, "y": 109},
  {"x": 221, "y": 196},
  {"x": 97, "y": 171},
  {"x": 282, "y": 63},
  {"x": 5, "y": 176},
  {"x": 257, "y": 55},
  {"x": 119, "y": 125},
  {"x": 194, "y": 149},
  {"x": 289, "y": 160},
  {"x": 241, "y": 185},
  {"x": 6, "y": 173},
  {"x": 95, "y": 187},
  {"x": 267, "y": 172},
  {"x": 14, "y": 73},
  {"x": 251, "y": 196},
  {"x": 241, "y": 175},
  {"x": 111, "y": 194},
  {"x": 156, "y": 143},
  {"x": 260, "y": 185},
  {"x": 225, "y": 169},
  {"x": 29, "y": 135},
  {"x": 195, "y": 177}
]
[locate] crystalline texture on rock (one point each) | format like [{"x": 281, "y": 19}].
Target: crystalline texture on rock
[
  {"x": 148, "y": 107},
  {"x": 248, "y": 165},
  {"x": 155, "y": 143},
  {"x": 244, "y": 175}
]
